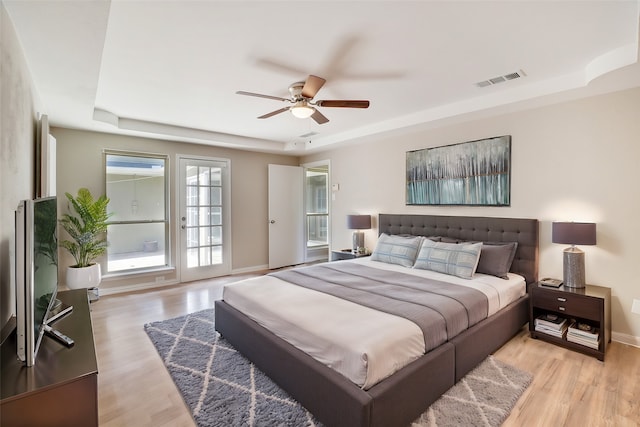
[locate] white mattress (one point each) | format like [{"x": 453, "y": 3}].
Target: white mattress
[{"x": 361, "y": 343}]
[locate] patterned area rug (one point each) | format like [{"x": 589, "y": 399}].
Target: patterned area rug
[{"x": 222, "y": 388}]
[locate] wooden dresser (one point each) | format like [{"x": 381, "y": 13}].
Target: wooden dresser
[{"x": 61, "y": 389}]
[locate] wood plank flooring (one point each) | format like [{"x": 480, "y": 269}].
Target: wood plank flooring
[{"x": 134, "y": 388}]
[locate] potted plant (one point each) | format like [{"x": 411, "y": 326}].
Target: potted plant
[{"x": 87, "y": 231}]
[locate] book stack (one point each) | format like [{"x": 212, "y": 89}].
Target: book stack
[
  {"x": 551, "y": 324},
  {"x": 583, "y": 334}
]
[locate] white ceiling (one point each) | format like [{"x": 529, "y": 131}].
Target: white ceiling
[{"x": 170, "y": 69}]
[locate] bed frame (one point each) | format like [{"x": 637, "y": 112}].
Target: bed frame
[{"x": 402, "y": 397}]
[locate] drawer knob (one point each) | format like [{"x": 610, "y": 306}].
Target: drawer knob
[
  {"x": 561, "y": 308},
  {"x": 562, "y": 299}
]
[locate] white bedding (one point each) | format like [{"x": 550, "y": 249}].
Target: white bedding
[{"x": 361, "y": 343}]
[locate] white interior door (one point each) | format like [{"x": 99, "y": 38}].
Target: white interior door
[
  {"x": 204, "y": 213},
  {"x": 286, "y": 216}
]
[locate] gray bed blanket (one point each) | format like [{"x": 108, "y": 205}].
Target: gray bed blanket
[{"x": 442, "y": 310}]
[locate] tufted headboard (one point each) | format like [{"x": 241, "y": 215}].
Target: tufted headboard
[{"x": 485, "y": 229}]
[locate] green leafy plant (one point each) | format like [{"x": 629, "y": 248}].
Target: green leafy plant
[{"x": 86, "y": 228}]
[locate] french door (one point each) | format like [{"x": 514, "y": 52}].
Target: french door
[{"x": 204, "y": 218}]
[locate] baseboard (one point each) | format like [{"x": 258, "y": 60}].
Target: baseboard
[
  {"x": 136, "y": 287},
  {"x": 317, "y": 258},
  {"x": 252, "y": 269},
  {"x": 625, "y": 339}
]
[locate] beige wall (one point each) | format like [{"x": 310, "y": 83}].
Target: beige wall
[
  {"x": 572, "y": 161},
  {"x": 80, "y": 164},
  {"x": 18, "y": 113}
]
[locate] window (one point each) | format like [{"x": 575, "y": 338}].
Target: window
[
  {"x": 138, "y": 237},
  {"x": 317, "y": 180}
]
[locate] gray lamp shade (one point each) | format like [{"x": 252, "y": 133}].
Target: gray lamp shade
[
  {"x": 574, "y": 233},
  {"x": 358, "y": 222}
]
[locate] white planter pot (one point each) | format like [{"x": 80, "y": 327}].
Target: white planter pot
[{"x": 85, "y": 277}]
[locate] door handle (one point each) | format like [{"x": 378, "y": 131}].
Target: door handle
[{"x": 273, "y": 221}]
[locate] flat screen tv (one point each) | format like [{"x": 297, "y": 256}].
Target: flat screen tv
[{"x": 36, "y": 272}]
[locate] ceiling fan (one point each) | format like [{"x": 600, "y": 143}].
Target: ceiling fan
[{"x": 302, "y": 103}]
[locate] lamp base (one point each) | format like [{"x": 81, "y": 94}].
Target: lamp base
[
  {"x": 573, "y": 268},
  {"x": 358, "y": 241}
]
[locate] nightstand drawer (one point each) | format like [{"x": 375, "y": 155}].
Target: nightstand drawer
[{"x": 564, "y": 302}]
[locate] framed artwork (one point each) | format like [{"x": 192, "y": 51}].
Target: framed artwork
[{"x": 474, "y": 173}]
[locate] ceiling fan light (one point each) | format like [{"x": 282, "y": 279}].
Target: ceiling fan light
[{"x": 302, "y": 111}]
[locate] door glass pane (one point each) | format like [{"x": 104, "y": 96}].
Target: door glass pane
[
  {"x": 192, "y": 196},
  {"x": 205, "y": 256},
  {"x": 204, "y": 175},
  {"x": 204, "y": 216},
  {"x": 216, "y": 196},
  {"x": 216, "y": 216},
  {"x": 205, "y": 236},
  {"x": 192, "y": 257},
  {"x": 216, "y": 176},
  {"x": 216, "y": 254},
  {"x": 216, "y": 235},
  {"x": 192, "y": 237},
  {"x": 192, "y": 175},
  {"x": 192, "y": 217},
  {"x": 204, "y": 195}
]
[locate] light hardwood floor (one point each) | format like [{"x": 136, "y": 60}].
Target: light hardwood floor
[{"x": 134, "y": 388}]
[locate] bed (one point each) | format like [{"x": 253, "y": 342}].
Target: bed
[{"x": 403, "y": 396}]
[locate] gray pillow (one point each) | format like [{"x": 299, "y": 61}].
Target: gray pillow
[
  {"x": 496, "y": 259},
  {"x": 456, "y": 259},
  {"x": 397, "y": 249}
]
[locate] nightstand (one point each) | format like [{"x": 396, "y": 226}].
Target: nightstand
[
  {"x": 346, "y": 254},
  {"x": 588, "y": 306}
]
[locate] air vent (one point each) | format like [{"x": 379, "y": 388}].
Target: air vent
[
  {"x": 500, "y": 79},
  {"x": 512, "y": 76}
]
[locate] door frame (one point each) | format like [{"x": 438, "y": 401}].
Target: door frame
[{"x": 226, "y": 213}]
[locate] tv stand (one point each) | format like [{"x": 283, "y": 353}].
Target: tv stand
[{"x": 62, "y": 387}]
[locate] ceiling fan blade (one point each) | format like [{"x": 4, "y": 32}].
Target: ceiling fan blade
[
  {"x": 319, "y": 117},
  {"x": 312, "y": 86},
  {"x": 259, "y": 95},
  {"x": 343, "y": 103},
  {"x": 273, "y": 113}
]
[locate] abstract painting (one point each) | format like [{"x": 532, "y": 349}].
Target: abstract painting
[{"x": 475, "y": 173}]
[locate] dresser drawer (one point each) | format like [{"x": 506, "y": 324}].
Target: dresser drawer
[{"x": 563, "y": 302}]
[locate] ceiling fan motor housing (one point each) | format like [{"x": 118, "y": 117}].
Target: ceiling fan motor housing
[{"x": 296, "y": 91}]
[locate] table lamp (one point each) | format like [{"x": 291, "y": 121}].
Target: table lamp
[
  {"x": 358, "y": 223},
  {"x": 573, "y": 233}
]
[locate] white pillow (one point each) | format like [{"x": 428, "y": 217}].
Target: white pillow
[
  {"x": 456, "y": 259},
  {"x": 397, "y": 249}
]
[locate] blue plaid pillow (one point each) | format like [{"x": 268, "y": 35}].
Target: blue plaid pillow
[
  {"x": 459, "y": 259},
  {"x": 397, "y": 249}
]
